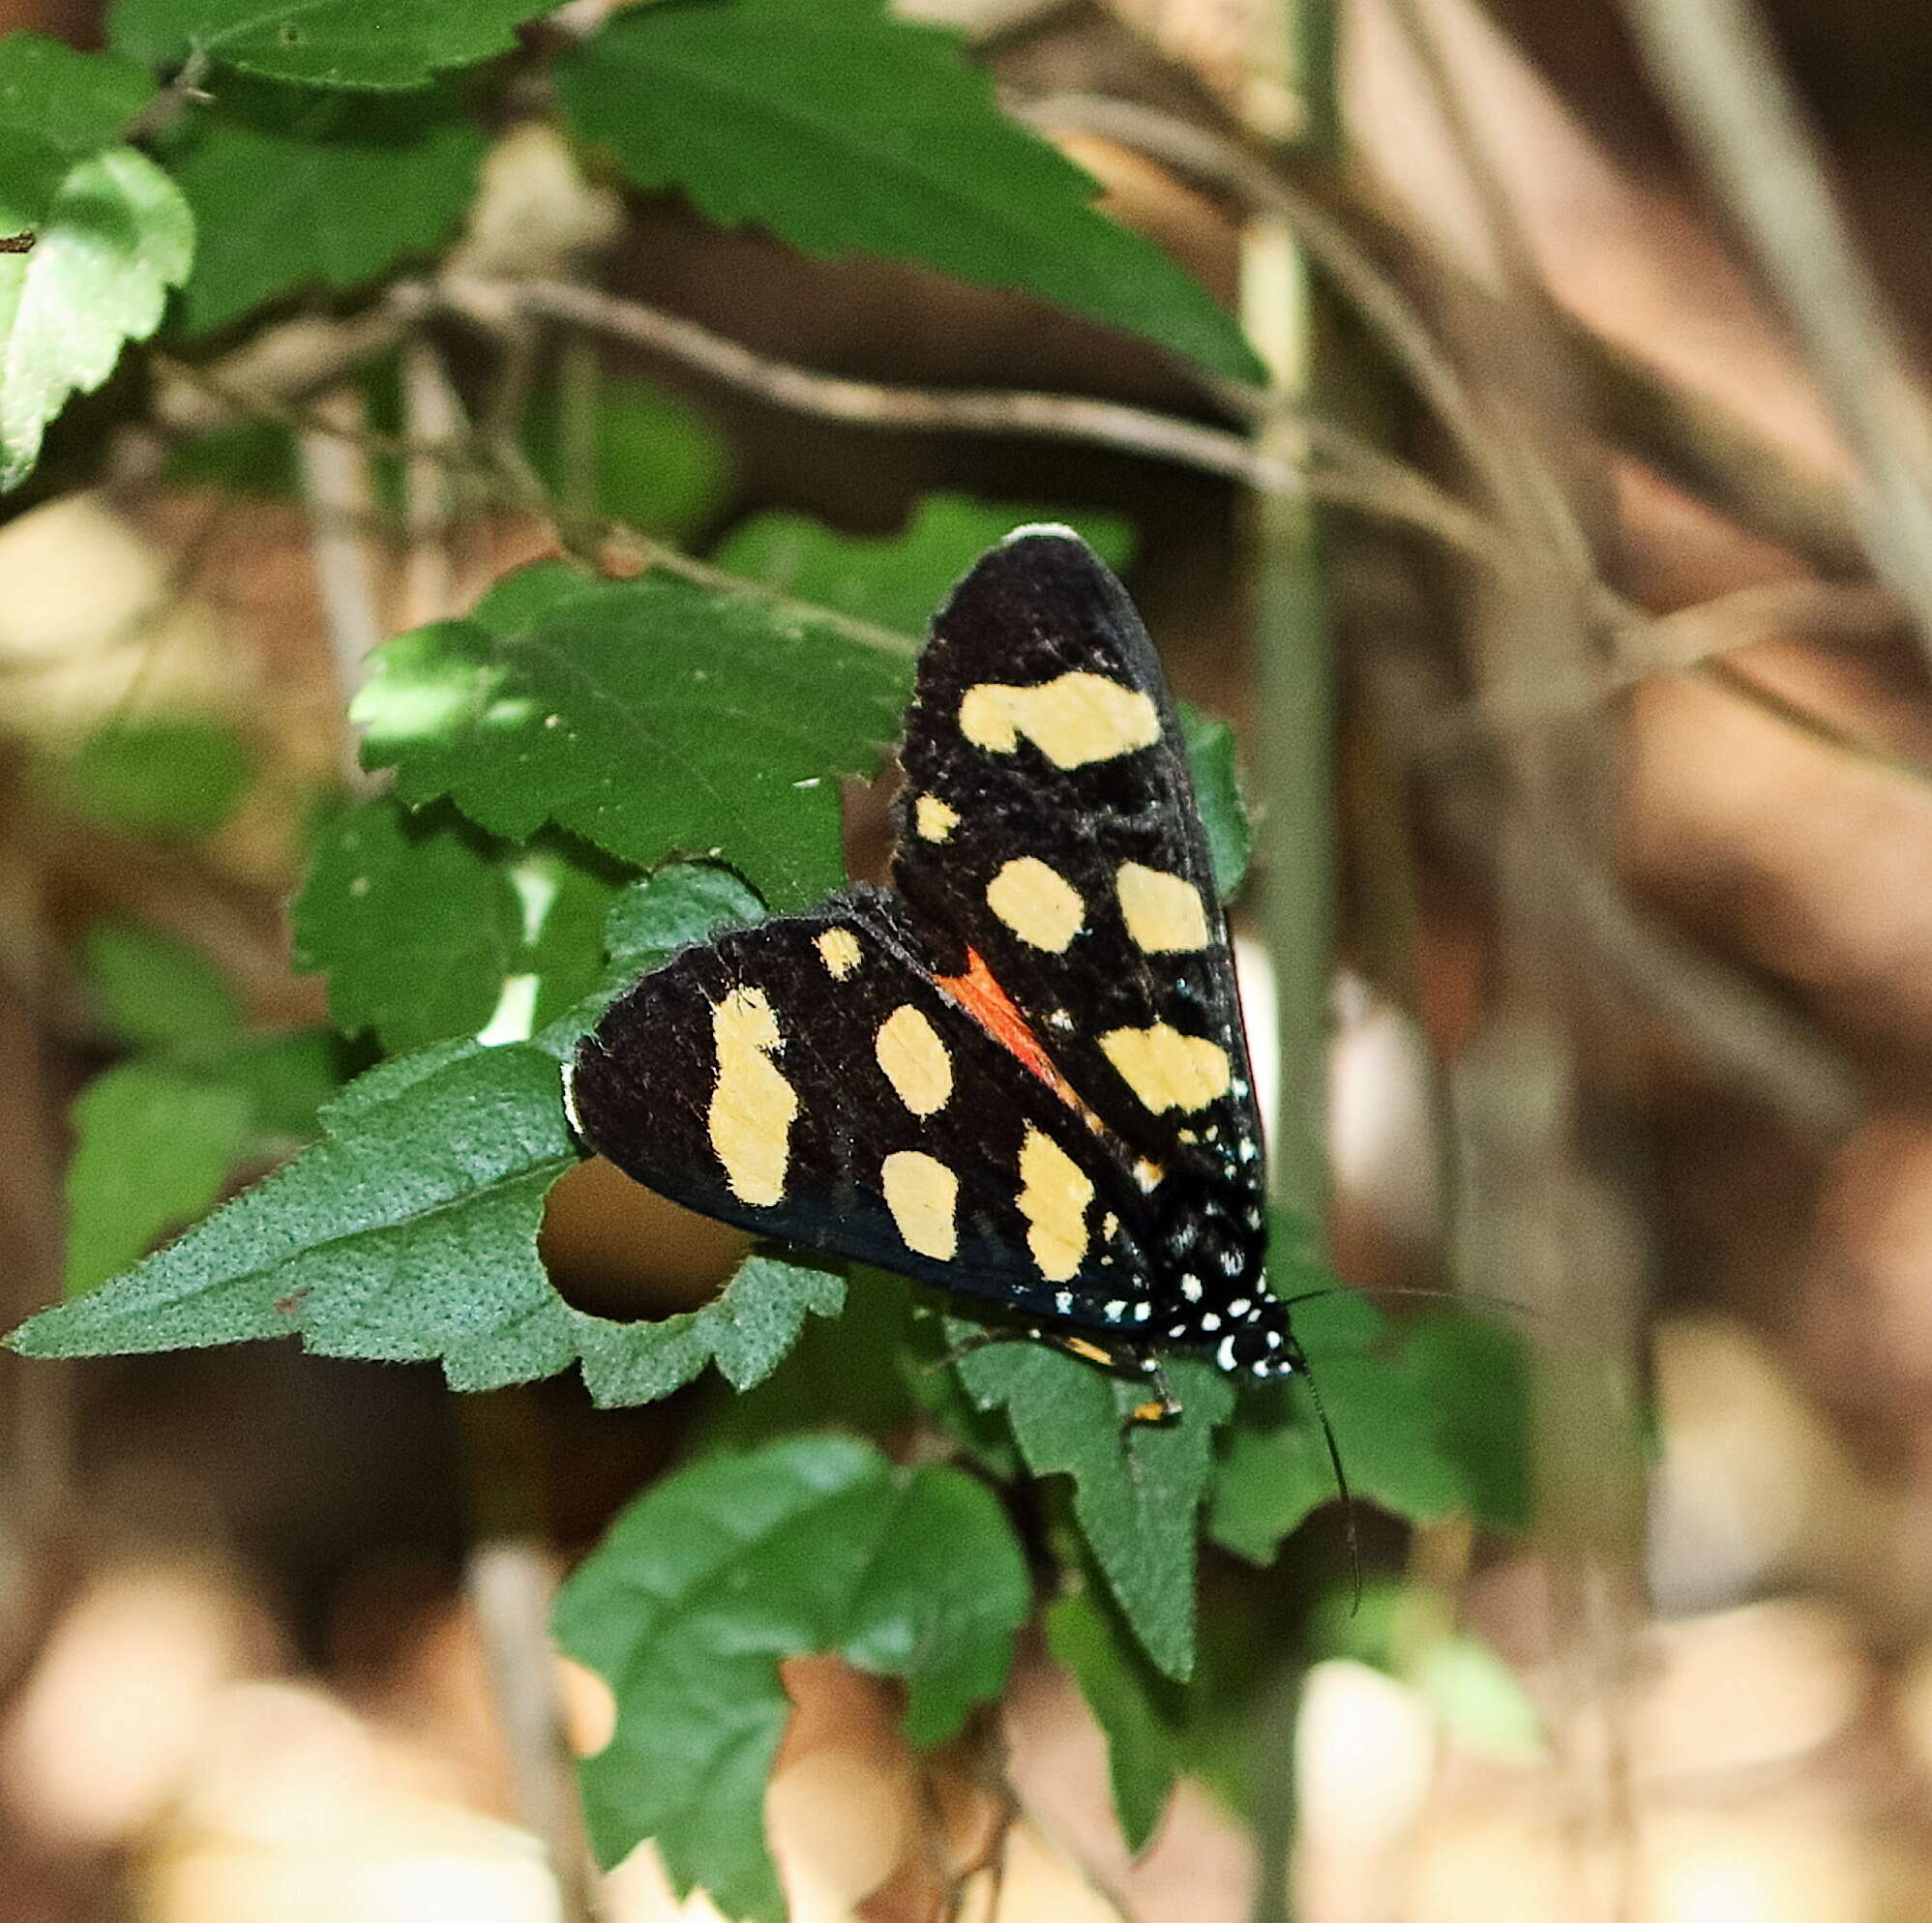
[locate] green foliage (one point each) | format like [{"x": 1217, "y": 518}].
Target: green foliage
[
  {"x": 897, "y": 581},
  {"x": 1138, "y": 1710},
  {"x": 153, "y": 992},
  {"x": 164, "y": 778},
  {"x": 77, "y": 102},
  {"x": 712, "y": 1577},
  {"x": 1384, "y": 1394},
  {"x": 409, "y": 1232},
  {"x": 292, "y": 188},
  {"x": 1136, "y": 1485},
  {"x": 112, "y": 237},
  {"x": 653, "y": 717},
  {"x": 845, "y": 130},
  {"x": 1217, "y": 787},
  {"x": 120, "y": 1193},
  {"x": 415, "y": 918},
  {"x": 156, "y": 1137},
  {"x": 651, "y": 459},
  {"x": 373, "y": 44}
]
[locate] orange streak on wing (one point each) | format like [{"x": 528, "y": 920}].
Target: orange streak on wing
[{"x": 991, "y": 1007}]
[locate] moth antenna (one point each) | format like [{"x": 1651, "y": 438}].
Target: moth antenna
[
  {"x": 1447, "y": 1297},
  {"x": 1341, "y": 1476}
]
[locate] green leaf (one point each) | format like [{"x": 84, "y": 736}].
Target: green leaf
[
  {"x": 77, "y": 102},
  {"x": 845, "y": 131},
  {"x": 409, "y": 1233},
  {"x": 566, "y": 904},
  {"x": 415, "y": 919},
  {"x": 897, "y": 581},
  {"x": 1137, "y": 1484},
  {"x": 1384, "y": 1393},
  {"x": 114, "y": 237},
  {"x": 706, "y": 1582},
  {"x": 154, "y": 991},
  {"x": 651, "y": 718},
  {"x": 655, "y": 462},
  {"x": 31, "y": 171},
  {"x": 170, "y": 777},
  {"x": 373, "y": 44},
  {"x": 652, "y": 919},
  {"x": 1137, "y": 1710},
  {"x": 291, "y": 188},
  {"x": 849, "y": 1372},
  {"x": 1474, "y": 1374},
  {"x": 1210, "y": 758},
  {"x": 153, "y": 1145},
  {"x": 287, "y": 1078}
]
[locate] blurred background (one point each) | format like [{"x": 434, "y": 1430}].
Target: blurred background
[{"x": 1624, "y": 974}]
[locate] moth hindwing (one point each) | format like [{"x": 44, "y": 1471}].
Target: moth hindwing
[{"x": 1020, "y": 1073}]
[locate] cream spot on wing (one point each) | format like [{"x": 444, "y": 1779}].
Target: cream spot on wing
[
  {"x": 1163, "y": 912},
  {"x": 1053, "y": 1194},
  {"x": 751, "y": 1104},
  {"x": 932, "y": 820},
  {"x": 922, "y": 1191},
  {"x": 1073, "y": 718},
  {"x": 1040, "y": 906},
  {"x": 915, "y": 1060},
  {"x": 1166, "y": 1069},
  {"x": 838, "y": 950}
]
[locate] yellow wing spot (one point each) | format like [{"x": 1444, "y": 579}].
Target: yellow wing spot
[
  {"x": 932, "y": 818},
  {"x": 1040, "y": 906},
  {"x": 1053, "y": 1194},
  {"x": 1166, "y": 1069},
  {"x": 752, "y": 1105},
  {"x": 838, "y": 950},
  {"x": 1073, "y": 718},
  {"x": 915, "y": 1060},
  {"x": 922, "y": 1193},
  {"x": 1164, "y": 913}
]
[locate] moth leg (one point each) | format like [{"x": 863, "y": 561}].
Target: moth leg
[{"x": 1165, "y": 1404}]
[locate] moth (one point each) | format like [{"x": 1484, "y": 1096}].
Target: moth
[{"x": 1020, "y": 1071}]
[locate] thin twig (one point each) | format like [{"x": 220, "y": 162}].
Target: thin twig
[
  {"x": 1845, "y": 615},
  {"x": 1686, "y": 436},
  {"x": 1354, "y": 274},
  {"x": 335, "y": 484},
  {"x": 435, "y": 418},
  {"x": 1344, "y": 471},
  {"x": 1713, "y": 62}
]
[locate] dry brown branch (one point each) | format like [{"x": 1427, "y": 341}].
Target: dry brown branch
[
  {"x": 1714, "y": 65},
  {"x": 1688, "y": 437},
  {"x": 1344, "y": 469}
]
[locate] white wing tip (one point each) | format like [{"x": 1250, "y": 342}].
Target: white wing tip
[{"x": 1057, "y": 528}]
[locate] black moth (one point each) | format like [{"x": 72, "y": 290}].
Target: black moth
[{"x": 1020, "y": 1073}]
